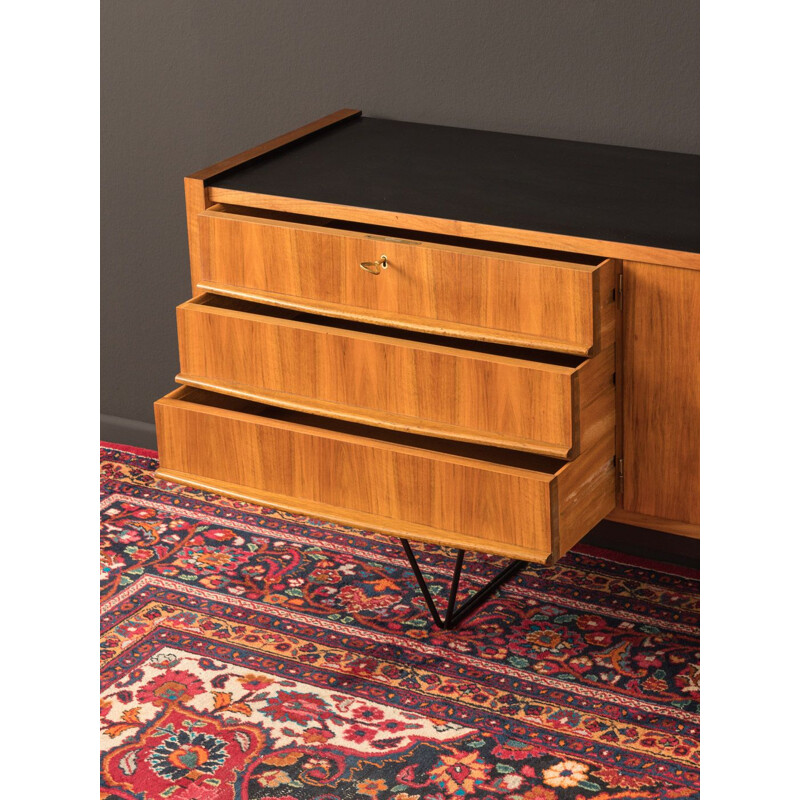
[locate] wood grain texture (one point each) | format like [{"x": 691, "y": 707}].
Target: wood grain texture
[
  {"x": 450, "y": 227},
  {"x": 196, "y": 203},
  {"x": 688, "y": 529},
  {"x": 605, "y": 288},
  {"x": 547, "y": 304},
  {"x": 619, "y": 383},
  {"x": 400, "y": 383},
  {"x": 274, "y": 144},
  {"x": 217, "y": 440},
  {"x": 585, "y": 494},
  {"x": 661, "y": 393},
  {"x": 355, "y": 519}
]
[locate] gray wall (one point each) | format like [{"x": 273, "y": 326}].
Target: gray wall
[{"x": 188, "y": 82}]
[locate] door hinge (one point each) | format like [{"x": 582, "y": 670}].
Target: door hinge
[
  {"x": 621, "y": 476},
  {"x": 619, "y": 291}
]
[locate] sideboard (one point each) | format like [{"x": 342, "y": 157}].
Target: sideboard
[{"x": 482, "y": 340}]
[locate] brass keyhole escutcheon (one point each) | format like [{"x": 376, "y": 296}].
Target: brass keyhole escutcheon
[{"x": 374, "y": 267}]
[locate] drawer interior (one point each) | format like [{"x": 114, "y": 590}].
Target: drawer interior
[
  {"x": 268, "y": 312},
  {"x": 486, "y": 453},
  {"x": 410, "y": 236}
]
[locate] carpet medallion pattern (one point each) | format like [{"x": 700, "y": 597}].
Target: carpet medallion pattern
[{"x": 251, "y": 653}]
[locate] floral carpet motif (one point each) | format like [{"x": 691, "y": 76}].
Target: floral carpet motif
[{"x": 255, "y": 654}]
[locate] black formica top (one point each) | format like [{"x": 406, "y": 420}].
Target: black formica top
[{"x": 618, "y": 194}]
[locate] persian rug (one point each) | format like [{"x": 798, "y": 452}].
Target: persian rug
[{"x": 251, "y": 653}]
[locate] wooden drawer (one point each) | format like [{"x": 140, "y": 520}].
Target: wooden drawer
[
  {"x": 549, "y": 403},
  {"x": 446, "y": 285},
  {"x": 471, "y": 496}
]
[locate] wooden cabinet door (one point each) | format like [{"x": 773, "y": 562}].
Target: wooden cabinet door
[{"x": 661, "y": 395}]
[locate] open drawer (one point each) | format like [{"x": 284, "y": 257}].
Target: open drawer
[
  {"x": 463, "y": 495},
  {"x": 549, "y": 403},
  {"x": 441, "y": 284}
]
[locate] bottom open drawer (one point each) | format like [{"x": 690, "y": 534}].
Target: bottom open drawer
[{"x": 463, "y": 495}]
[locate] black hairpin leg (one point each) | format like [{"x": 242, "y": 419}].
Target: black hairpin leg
[{"x": 453, "y": 616}]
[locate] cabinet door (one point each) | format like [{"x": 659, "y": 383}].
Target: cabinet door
[{"x": 661, "y": 401}]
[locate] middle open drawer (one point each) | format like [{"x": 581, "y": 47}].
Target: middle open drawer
[{"x": 541, "y": 402}]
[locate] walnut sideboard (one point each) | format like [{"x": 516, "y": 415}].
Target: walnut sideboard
[{"x": 477, "y": 339}]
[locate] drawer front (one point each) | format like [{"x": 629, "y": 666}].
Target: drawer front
[
  {"x": 475, "y": 293},
  {"x": 482, "y": 395},
  {"x": 515, "y": 504}
]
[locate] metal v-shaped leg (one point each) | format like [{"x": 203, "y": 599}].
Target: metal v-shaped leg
[{"x": 453, "y": 615}]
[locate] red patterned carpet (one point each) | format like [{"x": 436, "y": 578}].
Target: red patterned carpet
[{"x": 250, "y": 653}]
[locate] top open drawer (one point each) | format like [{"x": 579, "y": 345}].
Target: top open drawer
[{"x": 441, "y": 284}]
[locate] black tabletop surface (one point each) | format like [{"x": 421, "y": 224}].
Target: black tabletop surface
[{"x": 618, "y": 194}]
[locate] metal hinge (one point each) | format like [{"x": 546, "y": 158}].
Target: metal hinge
[
  {"x": 619, "y": 292},
  {"x": 621, "y": 476}
]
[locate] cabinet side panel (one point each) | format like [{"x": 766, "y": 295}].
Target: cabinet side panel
[
  {"x": 195, "y": 194},
  {"x": 661, "y": 405}
]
